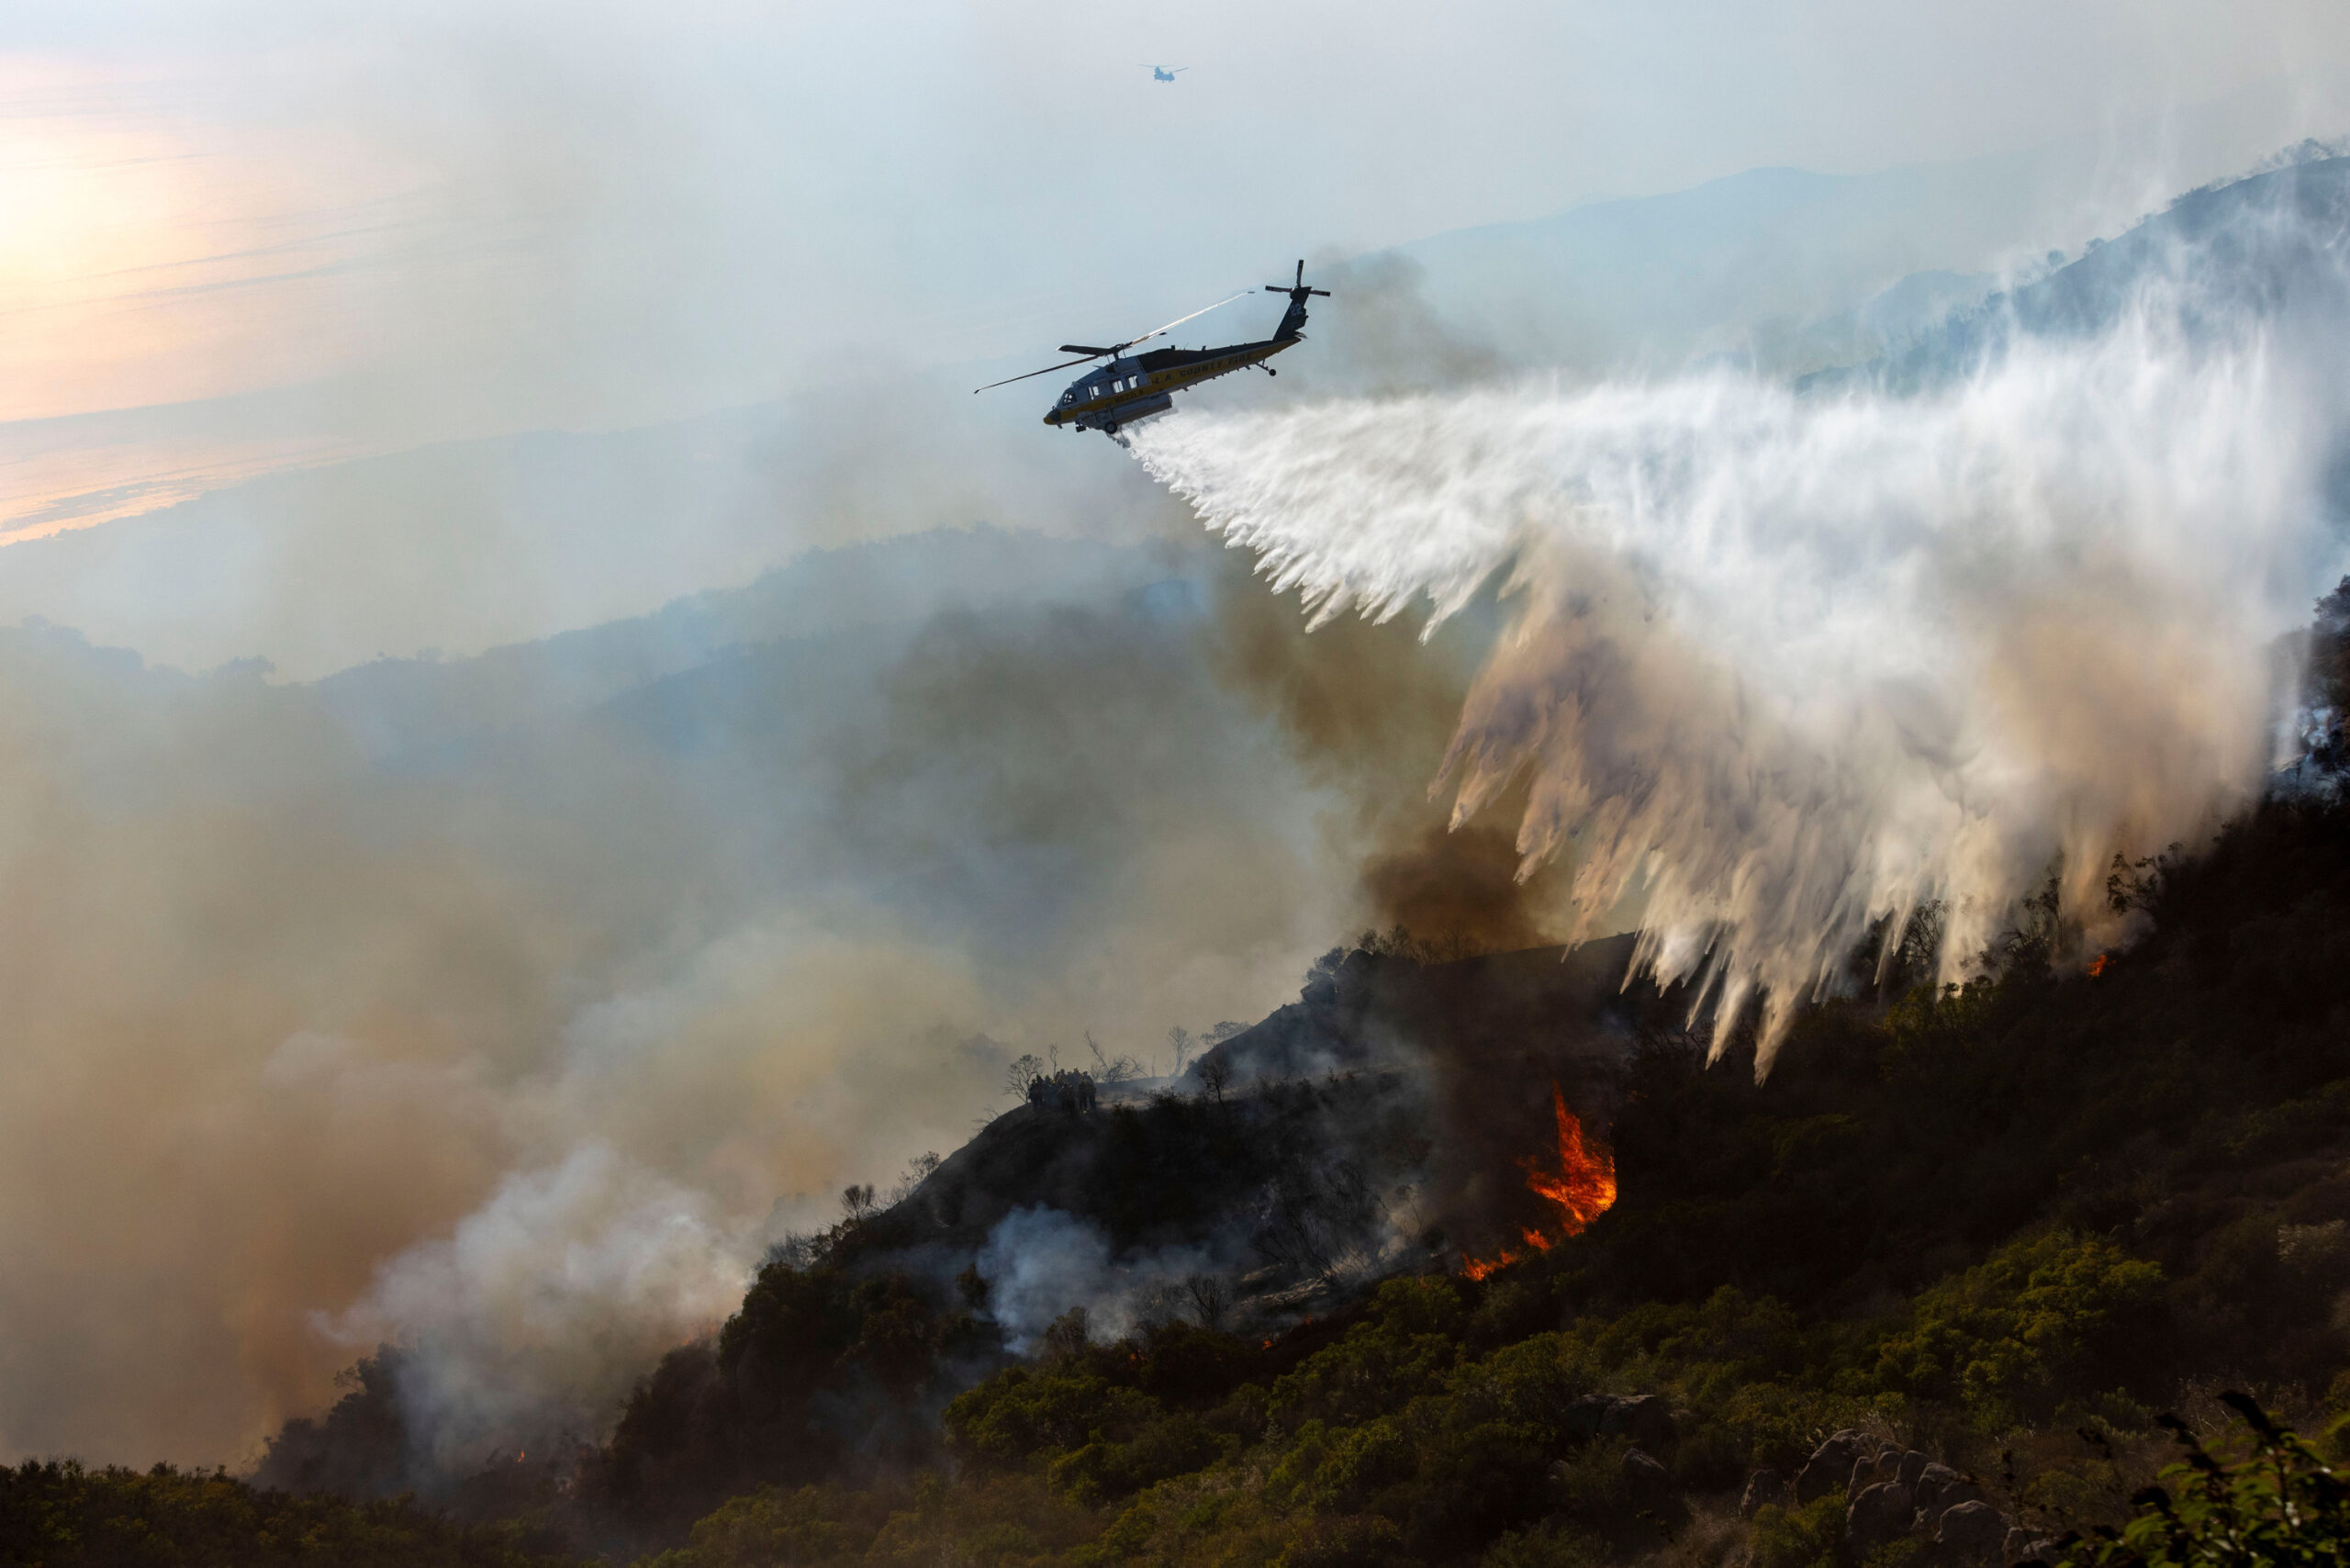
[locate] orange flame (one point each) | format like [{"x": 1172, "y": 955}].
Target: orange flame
[
  {"x": 2097, "y": 965},
  {"x": 1582, "y": 1188}
]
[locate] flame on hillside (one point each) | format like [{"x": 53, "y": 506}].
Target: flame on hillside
[{"x": 1581, "y": 1188}]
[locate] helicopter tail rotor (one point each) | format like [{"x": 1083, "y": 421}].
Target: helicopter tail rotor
[
  {"x": 1293, "y": 319},
  {"x": 1296, "y": 290}
]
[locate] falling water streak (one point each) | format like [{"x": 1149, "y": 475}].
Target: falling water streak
[{"x": 1781, "y": 666}]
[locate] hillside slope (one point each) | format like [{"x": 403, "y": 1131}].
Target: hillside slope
[
  {"x": 1972, "y": 1224},
  {"x": 1967, "y": 1223}
]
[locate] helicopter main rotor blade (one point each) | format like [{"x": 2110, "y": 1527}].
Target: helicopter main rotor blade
[
  {"x": 1046, "y": 371},
  {"x": 1094, "y": 353},
  {"x": 1180, "y": 320}
]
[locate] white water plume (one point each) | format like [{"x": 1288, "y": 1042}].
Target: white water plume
[{"x": 1782, "y": 665}]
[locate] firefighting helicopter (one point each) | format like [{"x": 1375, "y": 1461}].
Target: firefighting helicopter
[
  {"x": 1135, "y": 386},
  {"x": 1161, "y": 73}
]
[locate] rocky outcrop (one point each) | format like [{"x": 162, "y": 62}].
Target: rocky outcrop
[
  {"x": 1892, "y": 1494},
  {"x": 1951, "y": 1494},
  {"x": 1881, "y": 1513},
  {"x": 1643, "y": 1418},
  {"x": 2023, "y": 1546},
  {"x": 1972, "y": 1532},
  {"x": 1830, "y": 1469},
  {"x": 1644, "y": 1478}
]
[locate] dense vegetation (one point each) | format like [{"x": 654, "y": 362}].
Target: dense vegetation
[
  {"x": 2011, "y": 1223},
  {"x": 61, "y": 1516},
  {"x": 2040, "y": 1227},
  {"x": 2280, "y": 1503}
]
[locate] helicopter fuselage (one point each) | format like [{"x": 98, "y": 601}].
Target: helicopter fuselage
[{"x": 1139, "y": 385}]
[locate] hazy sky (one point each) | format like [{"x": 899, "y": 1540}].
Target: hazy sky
[{"x": 442, "y": 219}]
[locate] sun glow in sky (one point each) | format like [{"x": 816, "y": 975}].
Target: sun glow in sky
[
  {"x": 161, "y": 244},
  {"x": 289, "y": 233}
]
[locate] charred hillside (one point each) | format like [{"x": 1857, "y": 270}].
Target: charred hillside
[
  {"x": 1391, "y": 1072},
  {"x": 1231, "y": 1318},
  {"x": 1964, "y": 1223},
  {"x": 1969, "y": 1243},
  {"x": 1372, "y": 1127}
]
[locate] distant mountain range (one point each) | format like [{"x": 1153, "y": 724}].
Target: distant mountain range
[
  {"x": 470, "y": 546},
  {"x": 2274, "y": 247}
]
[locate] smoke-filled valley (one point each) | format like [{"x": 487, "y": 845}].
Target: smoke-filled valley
[
  {"x": 1716, "y": 938},
  {"x": 514, "y": 1005}
]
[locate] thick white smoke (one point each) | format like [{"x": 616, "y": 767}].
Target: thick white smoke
[
  {"x": 1040, "y": 1261},
  {"x": 537, "y": 1314},
  {"x": 1785, "y": 664}
]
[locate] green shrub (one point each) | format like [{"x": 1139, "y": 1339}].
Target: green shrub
[
  {"x": 1808, "y": 1537},
  {"x": 814, "y": 1524},
  {"x": 1020, "y": 1412},
  {"x": 1541, "y": 1548},
  {"x": 2016, "y": 1332},
  {"x": 1530, "y": 1384},
  {"x": 1103, "y": 1471},
  {"x": 2281, "y": 1504},
  {"x": 1780, "y": 1423},
  {"x": 1711, "y": 1458},
  {"x": 1360, "y": 1465},
  {"x": 1404, "y": 1348},
  {"x": 62, "y": 1516},
  {"x": 1347, "y": 1541}
]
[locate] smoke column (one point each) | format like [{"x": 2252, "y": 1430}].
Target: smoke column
[{"x": 1781, "y": 664}]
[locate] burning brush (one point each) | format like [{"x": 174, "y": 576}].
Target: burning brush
[{"x": 1581, "y": 1188}]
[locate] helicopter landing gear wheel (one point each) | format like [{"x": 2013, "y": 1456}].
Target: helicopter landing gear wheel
[{"x": 1110, "y": 428}]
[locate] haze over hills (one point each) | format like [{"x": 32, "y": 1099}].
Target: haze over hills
[
  {"x": 1785, "y": 978},
  {"x": 554, "y": 939},
  {"x": 465, "y": 545},
  {"x": 1006, "y": 788}
]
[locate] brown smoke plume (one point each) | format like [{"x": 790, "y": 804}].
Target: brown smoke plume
[
  {"x": 518, "y": 1042},
  {"x": 1370, "y": 709}
]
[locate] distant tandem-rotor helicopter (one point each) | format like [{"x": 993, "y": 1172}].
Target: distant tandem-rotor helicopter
[
  {"x": 1161, "y": 73},
  {"x": 1135, "y": 386}
]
